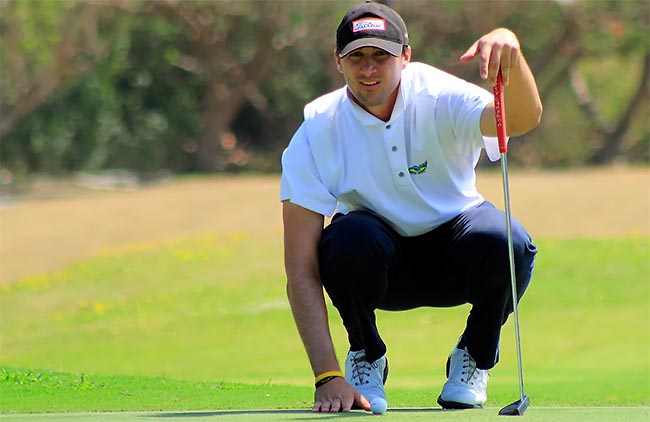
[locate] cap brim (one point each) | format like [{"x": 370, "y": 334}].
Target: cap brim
[{"x": 392, "y": 48}]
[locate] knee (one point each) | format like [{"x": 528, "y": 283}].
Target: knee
[
  {"x": 492, "y": 244},
  {"x": 355, "y": 238},
  {"x": 525, "y": 252},
  {"x": 343, "y": 240},
  {"x": 353, "y": 247},
  {"x": 523, "y": 247}
]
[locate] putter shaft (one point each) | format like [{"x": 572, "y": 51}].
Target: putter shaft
[
  {"x": 513, "y": 282},
  {"x": 520, "y": 406}
]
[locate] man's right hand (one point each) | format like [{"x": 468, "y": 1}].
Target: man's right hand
[{"x": 338, "y": 396}]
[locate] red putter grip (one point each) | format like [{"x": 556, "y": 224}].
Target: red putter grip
[{"x": 500, "y": 114}]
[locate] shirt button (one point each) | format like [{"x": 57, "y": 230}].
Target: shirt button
[
  {"x": 387, "y": 126},
  {"x": 400, "y": 174},
  {"x": 393, "y": 148}
]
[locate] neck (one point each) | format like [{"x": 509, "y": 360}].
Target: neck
[{"x": 382, "y": 111}]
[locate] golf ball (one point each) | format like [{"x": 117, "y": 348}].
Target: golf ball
[{"x": 378, "y": 406}]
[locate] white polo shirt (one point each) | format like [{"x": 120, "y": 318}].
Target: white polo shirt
[{"x": 416, "y": 170}]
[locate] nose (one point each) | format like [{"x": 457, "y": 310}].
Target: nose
[{"x": 368, "y": 67}]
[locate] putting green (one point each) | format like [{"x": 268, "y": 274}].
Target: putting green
[{"x": 555, "y": 414}]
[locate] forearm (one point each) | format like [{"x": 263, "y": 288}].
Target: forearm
[
  {"x": 523, "y": 104},
  {"x": 305, "y": 294},
  {"x": 302, "y": 230}
]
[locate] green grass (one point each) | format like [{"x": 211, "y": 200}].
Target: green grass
[
  {"x": 203, "y": 323},
  {"x": 533, "y": 414},
  {"x": 38, "y": 392},
  {"x": 49, "y": 391}
]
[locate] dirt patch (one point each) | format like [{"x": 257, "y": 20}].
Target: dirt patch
[
  {"x": 586, "y": 203},
  {"x": 42, "y": 233}
]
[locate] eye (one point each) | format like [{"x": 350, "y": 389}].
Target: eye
[{"x": 381, "y": 55}]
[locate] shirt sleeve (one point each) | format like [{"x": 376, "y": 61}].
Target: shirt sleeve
[
  {"x": 465, "y": 104},
  {"x": 300, "y": 182}
]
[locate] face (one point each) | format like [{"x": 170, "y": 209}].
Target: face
[{"x": 373, "y": 77}]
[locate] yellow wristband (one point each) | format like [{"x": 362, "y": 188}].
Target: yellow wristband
[{"x": 328, "y": 374}]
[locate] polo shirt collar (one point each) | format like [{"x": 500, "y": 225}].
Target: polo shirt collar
[{"x": 402, "y": 100}]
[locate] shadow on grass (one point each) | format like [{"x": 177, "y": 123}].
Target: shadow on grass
[{"x": 297, "y": 412}]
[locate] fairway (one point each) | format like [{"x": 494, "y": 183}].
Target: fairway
[
  {"x": 172, "y": 298},
  {"x": 49, "y": 228}
]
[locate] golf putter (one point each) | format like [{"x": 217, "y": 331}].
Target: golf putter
[{"x": 519, "y": 407}]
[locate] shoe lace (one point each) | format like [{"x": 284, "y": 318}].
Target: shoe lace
[
  {"x": 470, "y": 371},
  {"x": 361, "y": 369}
]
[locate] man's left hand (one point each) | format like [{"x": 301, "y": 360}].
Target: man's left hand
[{"x": 497, "y": 49}]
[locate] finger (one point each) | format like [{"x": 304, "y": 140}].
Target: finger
[
  {"x": 505, "y": 65},
  {"x": 514, "y": 57},
  {"x": 494, "y": 63},
  {"x": 336, "y": 406},
  {"x": 325, "y": 407},
  {"x": 509, "y": 62},
  {"x": 317, "y": 406},
  {"x": 361, "y": 401},
  {"x": 470, "y": 53},
  {"x": 484, "y": 63},
  {"x": 346, "y": 404}
]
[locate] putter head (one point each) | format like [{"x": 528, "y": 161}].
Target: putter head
[{"x": 517, "y": 408}]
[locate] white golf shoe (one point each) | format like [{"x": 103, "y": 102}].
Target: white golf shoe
[
  {"x": 466, "y": 386},
  {"x": 368, "y": 378}
]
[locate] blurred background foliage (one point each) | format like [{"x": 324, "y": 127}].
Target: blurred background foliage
[{"x": 218, "y": 86}]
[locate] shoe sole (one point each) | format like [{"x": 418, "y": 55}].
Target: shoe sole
[{"x": 457, "y": 405}]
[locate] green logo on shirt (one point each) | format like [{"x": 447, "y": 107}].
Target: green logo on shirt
[{"x": 418, "y": 168}]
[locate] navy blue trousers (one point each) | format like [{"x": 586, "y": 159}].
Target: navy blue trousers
[{"x": 366, "y": 265}]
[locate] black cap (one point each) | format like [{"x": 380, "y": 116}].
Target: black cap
[{"x": 371, "y": 25}]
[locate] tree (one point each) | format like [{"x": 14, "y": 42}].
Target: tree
[
  {"x": 44, "y": 48},
  {"x": 219, "y": 85},
  {"x": 621, "y": 30},
  {"x": 232, "y": 46}
]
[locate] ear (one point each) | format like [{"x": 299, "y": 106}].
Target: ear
[
  {"x": 338, "y": 61},
  {"x": 406, "y": 56}
]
